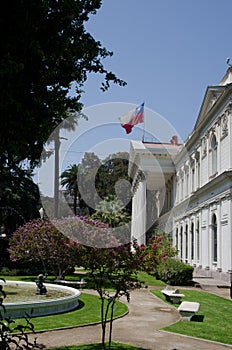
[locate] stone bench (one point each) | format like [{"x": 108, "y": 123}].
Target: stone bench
[
  {"x": 80, "y": 284},
  {"x": 187, "y": 309},
  {"x": 172, "y": 295}
]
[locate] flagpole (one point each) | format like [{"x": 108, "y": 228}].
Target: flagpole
[{"x": 143, "y": 127}]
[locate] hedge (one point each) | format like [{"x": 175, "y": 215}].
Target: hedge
[{"x": 174, "y": 272}]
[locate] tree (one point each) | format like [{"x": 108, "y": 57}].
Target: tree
[
  {"x": 18, "y": 192},
  {"x": 86, "y": 179},
  {"x": 97, "y": 180},
  {"x": 45, "y": 51},
  {"x": 39, "y": 241},
  {"x": 69, "y": 180},
  {"x": 114, "y": 273},
  {"x": 55, "y": 245},
  {"x": 112, "y": 178},
  {"x": 112, "y": 212}
]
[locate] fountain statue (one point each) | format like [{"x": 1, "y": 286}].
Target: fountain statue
[{"x": 41, "y": 289}]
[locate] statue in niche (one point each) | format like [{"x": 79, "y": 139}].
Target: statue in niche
[
  {"x": 204, "y": 146},
  {"x": 41, "y": 289},
  {"x": 224, "y": 122}
]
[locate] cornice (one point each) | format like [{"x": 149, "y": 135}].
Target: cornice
[{"x": 194, "y": 135}]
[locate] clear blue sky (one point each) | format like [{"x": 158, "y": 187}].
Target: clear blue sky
[{"x": 168, "y": 52}]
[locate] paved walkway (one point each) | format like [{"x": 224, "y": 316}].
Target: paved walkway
[{"x": 140, "y": 327}]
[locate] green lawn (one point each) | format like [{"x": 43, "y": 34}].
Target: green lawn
[
  {"x": 149, "y": 280},
  {"x": 118, "y": 346},
  {"x": 87, "y": 312},
  {"x": 213, "y": 320},
  {"x": 143, "y": 276}
]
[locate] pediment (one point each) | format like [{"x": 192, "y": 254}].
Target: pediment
[{"x": 213, "y": 93}]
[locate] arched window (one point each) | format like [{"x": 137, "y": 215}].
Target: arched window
[
  {"x": 181, "y": 242},
  {"x": 193, "y": 179},
  {"x": 214, "y": 237},
  {"x": 192, "y": 241},
  {"x": 213, "y": 155},
  {"x": 177, "y": 239},
  {"x": 186, "y": 243},
  {"x": 198, "y": 241}
]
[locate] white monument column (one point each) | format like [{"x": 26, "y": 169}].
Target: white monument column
[{"x": 138, "y": 224}]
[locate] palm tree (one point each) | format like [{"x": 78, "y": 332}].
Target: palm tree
[
  {"x": 111, "y": 211},
  {"x": 69, "y": 180}
]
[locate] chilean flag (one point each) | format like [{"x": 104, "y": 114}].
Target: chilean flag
[{"x": 130, "y": 119}]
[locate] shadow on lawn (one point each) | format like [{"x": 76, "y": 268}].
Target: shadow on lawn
[{"x": 197, "y": 318}]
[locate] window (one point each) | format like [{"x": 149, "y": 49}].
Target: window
[
  {"x": 213, "y": 155},
  {"x": 193, "y": 179},
  {"x": 192, "y": 241},
  {"x": 182, "y": 188},
  {"x": 181, "y": 242},
  {"x": 214, "y": 237},
  {"x": 198, "y": 241},
  {"x": 187, "y": 184},
  {"x": 198, "y": 174},
  {"x": 177, "y": 239},
  {"x": 186, "y": 243}
]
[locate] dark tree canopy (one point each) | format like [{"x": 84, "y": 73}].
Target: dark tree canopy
[
  {"x": 45, "y": 51},
  {"x": 45, "y": 48},
  {"x": 112, "y": 178}
]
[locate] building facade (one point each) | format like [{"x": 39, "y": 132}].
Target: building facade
[{"x": 185, "y": 189}]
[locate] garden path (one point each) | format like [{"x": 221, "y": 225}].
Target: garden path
[{"x": 140, "y": 327}]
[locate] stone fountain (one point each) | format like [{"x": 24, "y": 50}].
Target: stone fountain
[{"x": 41, "y": 304}]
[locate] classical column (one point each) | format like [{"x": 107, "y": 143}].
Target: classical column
[{"x": 138, "y": 224}]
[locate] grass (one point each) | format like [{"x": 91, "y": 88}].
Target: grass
[
  {"x": 118, "y": 346},
  {"x": 150, "y": 280},
  {"x": 87, "y": 312},
  {"x": 213, "y": 320}
]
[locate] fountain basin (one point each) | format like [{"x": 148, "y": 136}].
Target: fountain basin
[{"x": 40, "y": 306}]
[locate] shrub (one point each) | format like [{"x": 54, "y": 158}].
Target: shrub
[
  {"x": 158, "y": 249},
  {"x": 174, "y": 272}
]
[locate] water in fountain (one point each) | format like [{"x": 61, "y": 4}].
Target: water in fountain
[
  {"x": 21, "y": 298},
  {"x": 20, "y": 293}
]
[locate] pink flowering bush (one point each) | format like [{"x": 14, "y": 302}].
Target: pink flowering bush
[
  {"x": 158, "y": 249},
  {"x": 87, "y": 231},
  {"x": 56, "y": 244},
  {"x": 39, "y": 241}
]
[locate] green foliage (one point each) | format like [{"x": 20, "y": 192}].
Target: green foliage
[
  {"x": 69, "y": 180},
  {"x": 112, "y": 179},
  {"x": 158, "y": 249},
  {"x": 112, "y": 212},
  {"x": 116, "y": 267},
  {"x": 37, "y": 70},
  {"x": 93, "y": 180},
  {"x": 174, "y": 272},
  {"x": 87, "y": 171},
  {"x": 46, "y": 53}
]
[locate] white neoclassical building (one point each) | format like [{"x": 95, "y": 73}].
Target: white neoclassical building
[{"x": 185, "y": 189}]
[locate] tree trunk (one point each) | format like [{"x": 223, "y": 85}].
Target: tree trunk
[
  {"x": 103, "y": 323},
  {"x": 75, "y": 203},
  {"x": 111, "y": 323},
  {"x": 56, "y": 174}
]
